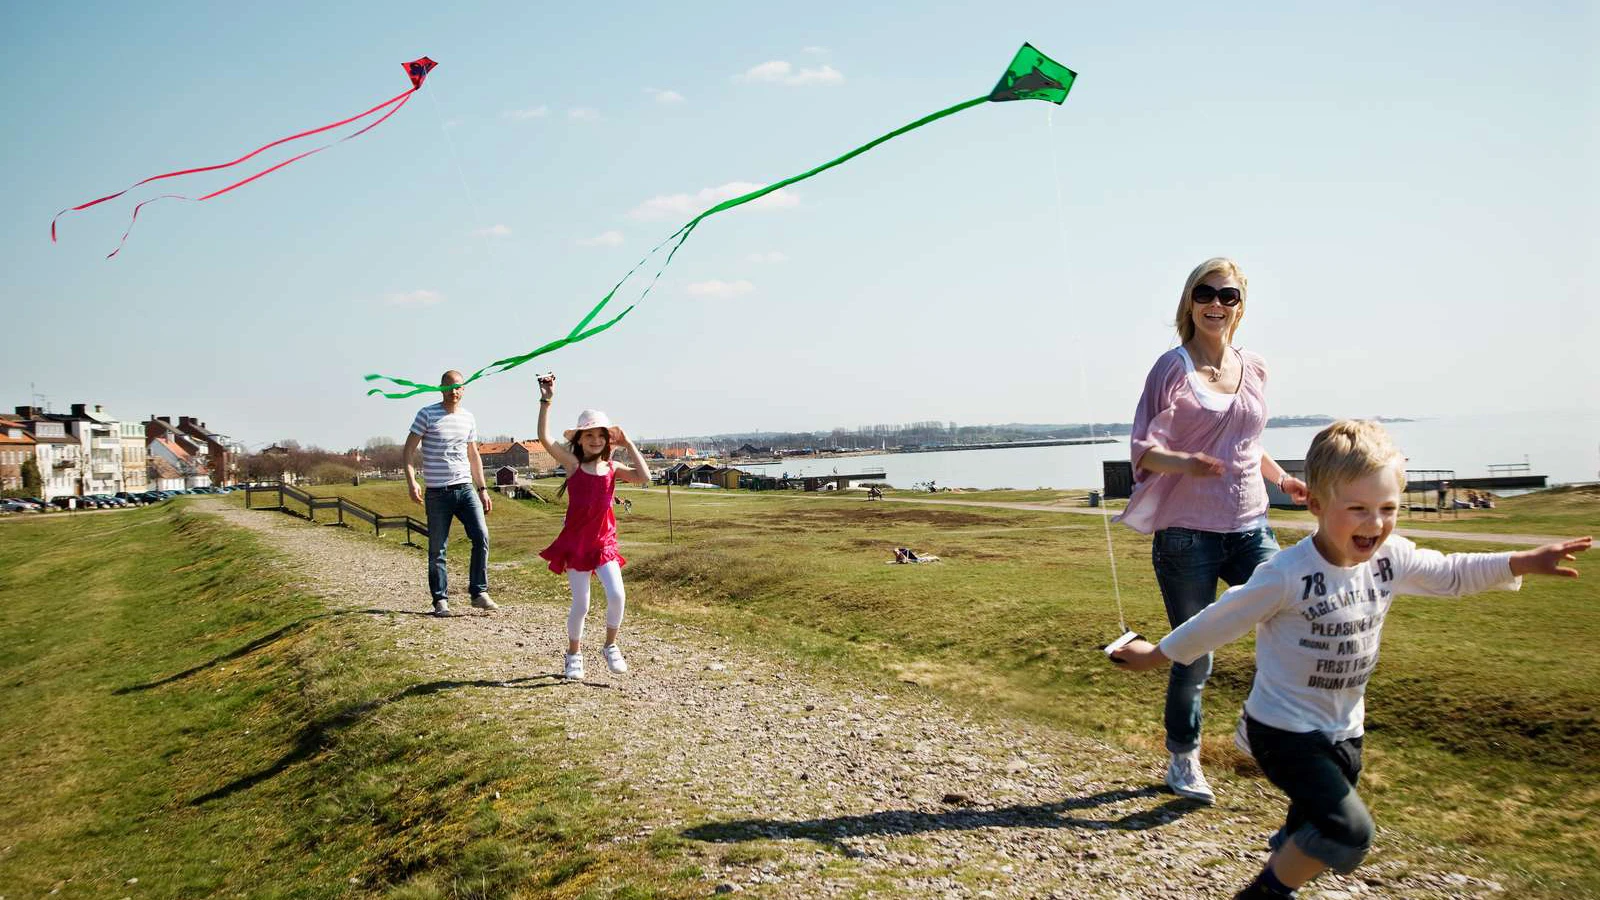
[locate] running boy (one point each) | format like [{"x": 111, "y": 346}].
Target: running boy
[{"x": 1318, "y": 610}]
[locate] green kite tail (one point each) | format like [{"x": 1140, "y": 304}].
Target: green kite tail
[{"x": 1031, "y": 76}]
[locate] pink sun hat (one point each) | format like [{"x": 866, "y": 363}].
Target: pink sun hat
[{"x": 593, "y": 418}]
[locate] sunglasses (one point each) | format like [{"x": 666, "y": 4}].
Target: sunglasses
[{"x": 1204, "y": 293}]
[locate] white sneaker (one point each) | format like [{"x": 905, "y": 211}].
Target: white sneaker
[
  {"x": 574, "y": 667},
  {"x": 441, "y": 608},
  {"x": 613, "y": 657},
  {"x": 1186, "y": 779},
  {"x": 482, "y": 601}
]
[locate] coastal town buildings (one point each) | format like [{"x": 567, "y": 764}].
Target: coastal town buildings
[{"x": 91, "y": 451}]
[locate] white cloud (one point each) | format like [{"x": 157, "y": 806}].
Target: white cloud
[
  {"x": 667, "y": 97},
  {"x": 492, "y": 231},
  {"x": 414, "y": 298},
  {"x": 536, "y": 112},
  {"x": 719, "y": 290},
  {"x": 670, "y": 206},
  {"x": 583, "y": 114},
  {"x": 780, "y": 71},
  {"x": 603, "y": 239},
  {"x": 771, "y": 256},
  {"x": 816, "y": 50}
]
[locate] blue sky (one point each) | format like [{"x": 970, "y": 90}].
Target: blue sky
[{"x": 1411, "y": 190}]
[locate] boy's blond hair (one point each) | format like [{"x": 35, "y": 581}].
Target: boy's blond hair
[{"x": 1350, "y": 449}]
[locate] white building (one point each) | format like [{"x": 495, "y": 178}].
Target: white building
[
  {"x": 57, "y": 453},
  {"x": 101, "y": 439}
]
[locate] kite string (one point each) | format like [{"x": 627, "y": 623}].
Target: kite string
[{"x": 1083, "y": 377}]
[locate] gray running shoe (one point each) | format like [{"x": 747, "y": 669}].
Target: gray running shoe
[{"x": 1186, "y": 779}]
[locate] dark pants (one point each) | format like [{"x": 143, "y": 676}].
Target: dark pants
[
  {"x": 458, "y": 501},
  {"x": 1326, "y": 817},
  {"x": 1188, "y": 564}
]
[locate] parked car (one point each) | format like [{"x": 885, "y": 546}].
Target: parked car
[
  {"x": 130, "y": 498},
  {"x": 15, "y": 506}
]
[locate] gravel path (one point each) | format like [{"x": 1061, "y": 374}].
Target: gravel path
[{"x": 784, "y": 783}]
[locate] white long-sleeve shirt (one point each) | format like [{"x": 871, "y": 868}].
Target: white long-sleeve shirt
[{"x": 1317, "y": 626}]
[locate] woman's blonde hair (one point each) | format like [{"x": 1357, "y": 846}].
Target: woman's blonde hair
[
  {"x": 1185, "y": 322},
  {"x": 1347, "y": 450}
]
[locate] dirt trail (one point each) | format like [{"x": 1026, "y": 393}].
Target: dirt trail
[{"x": 790, "y": 784}]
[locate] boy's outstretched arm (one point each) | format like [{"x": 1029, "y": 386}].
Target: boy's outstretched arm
[
  {"x": 1233, "y": 616},
  {"x": 1547, "y": 560},
  {"x": 1140, "y": 656}
]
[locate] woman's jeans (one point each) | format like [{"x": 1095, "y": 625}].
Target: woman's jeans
[
  {"x": 459, "y": 501},
  {"x": 1188, "y": 564}
]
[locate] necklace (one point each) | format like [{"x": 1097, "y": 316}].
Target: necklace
[{"x": 1214, "y": 373}]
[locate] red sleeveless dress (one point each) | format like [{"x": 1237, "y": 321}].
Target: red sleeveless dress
[{"x": 588, "y": 538}]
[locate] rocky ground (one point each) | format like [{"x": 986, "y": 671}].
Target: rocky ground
[{"x": 779, "y": 781}]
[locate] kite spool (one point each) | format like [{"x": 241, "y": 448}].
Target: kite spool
[{"x": 1126, "y": 639}]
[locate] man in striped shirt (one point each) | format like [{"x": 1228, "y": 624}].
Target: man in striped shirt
[{"x": 448, "y": 436}]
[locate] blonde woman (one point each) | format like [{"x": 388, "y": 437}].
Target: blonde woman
[{"x": 1199, "y": 483}]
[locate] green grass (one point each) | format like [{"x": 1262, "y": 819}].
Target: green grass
[
  {"x": 175, "y": 713},
  {"x": 1483, "y": 714}
]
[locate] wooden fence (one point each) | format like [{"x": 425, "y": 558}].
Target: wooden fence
[{"x": 287, "y": 493}]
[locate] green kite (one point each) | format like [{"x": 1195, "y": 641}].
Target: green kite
[{"x": 1031, "y": 76}]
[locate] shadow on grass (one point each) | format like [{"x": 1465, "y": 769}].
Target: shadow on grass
[
  {"x": 263, "y": 641},
  {"x": 833, "y": 831},
  {"x": 319, "y": 735}
]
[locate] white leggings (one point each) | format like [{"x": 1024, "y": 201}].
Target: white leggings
[{"x": 611, "y": 579}]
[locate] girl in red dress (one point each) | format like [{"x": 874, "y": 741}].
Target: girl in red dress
[{"x": 587, "y": 544}]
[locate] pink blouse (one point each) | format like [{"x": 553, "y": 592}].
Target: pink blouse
[{"x": 1171, "y": 416}]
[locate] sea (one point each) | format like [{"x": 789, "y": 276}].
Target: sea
[{"x": 1564, "y": 446}]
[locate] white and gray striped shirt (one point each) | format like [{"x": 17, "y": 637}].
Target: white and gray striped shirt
[{"x": 445, "y": 437}]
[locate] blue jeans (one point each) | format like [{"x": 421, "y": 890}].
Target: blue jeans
[
  {"x": 459, "y": 501},
  {"x": 1188, "y": 564}
]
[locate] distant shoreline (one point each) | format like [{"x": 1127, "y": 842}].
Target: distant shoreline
[{"x": 1111, "y": 430}]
